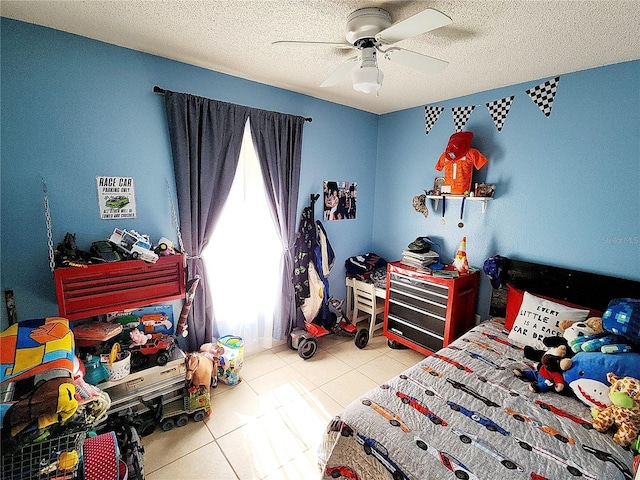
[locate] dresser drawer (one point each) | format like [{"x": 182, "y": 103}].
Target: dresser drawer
[
  {"x": 417, "y": 335},
  {"x": 420, "y": 290},
  {"x": 425, "y": 319}
]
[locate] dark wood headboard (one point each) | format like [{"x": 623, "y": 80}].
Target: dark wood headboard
[{"x": 582, "y": 288}]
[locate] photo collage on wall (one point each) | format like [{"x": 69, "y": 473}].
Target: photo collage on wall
[{"x": 339, "y": 200}]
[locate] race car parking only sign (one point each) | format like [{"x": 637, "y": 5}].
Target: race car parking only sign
[{"x": 116, "y": 198}]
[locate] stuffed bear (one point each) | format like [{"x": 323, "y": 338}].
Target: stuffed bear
[
  {"x": 574, "y": 332},
  {"x": 595, "y": 335},
  {"x": 624, "y": 412},
  {"x": 548, "y": 376}
]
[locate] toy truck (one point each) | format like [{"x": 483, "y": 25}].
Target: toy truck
[
  {"x": 195, "y": 402},
  {"x": 132, "y": 243},
  {"x": 160, "y": 345}
]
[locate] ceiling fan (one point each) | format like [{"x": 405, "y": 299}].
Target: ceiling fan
[{"x": 370, "y": 31}]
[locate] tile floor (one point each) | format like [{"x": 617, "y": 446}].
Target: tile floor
[{"x": 270, "y": 425}]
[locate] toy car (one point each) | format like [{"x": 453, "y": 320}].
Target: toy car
[
  {"x": 159, "y": 344},
  {"x": 133, "y": 244},
  {"x": 104, "y": 251}
]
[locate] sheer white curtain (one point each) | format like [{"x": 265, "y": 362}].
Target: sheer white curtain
[{"x": 243, "y": 257}]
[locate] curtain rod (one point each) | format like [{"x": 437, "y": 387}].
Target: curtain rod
[{"x": 162, "y": 91}]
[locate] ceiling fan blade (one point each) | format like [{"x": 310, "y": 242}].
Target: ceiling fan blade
[
  {"x": 417, "y": 61},
  {"x": 339, "y": 73},
  {"x": 342, "y": 45},
  {"x": 422, "y": 22}
]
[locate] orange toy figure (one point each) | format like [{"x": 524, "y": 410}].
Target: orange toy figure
[{"x": 458, "y": 161}]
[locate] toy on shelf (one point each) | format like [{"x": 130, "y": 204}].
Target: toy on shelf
[
  {"x": 138, "y": 337},
  {"x": 134, "y": 245},
  {"x": 160, "y": 345},
  {"x": 67, "y": 253},
  {"x": 165, "y": 247},
  {"x": 624, "y": 413}
]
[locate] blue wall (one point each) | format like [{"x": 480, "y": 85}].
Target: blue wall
[
  {"x": 73, "y": 109},
  {"x": 567, "y": 184}
]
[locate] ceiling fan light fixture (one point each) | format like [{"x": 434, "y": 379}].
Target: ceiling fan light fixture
[{"x": 367, "y": 79}]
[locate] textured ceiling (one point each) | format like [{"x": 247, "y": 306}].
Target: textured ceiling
[{"x": 489, "y": 44}]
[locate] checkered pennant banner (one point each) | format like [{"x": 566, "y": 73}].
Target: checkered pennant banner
[
  {"x": 543, "y": 94},
  {"x": 431, "y": 115},
  {"x": 461, "y": 116},
  {"x": 499, "y": 109}
]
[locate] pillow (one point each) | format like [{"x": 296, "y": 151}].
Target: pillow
[
  {"x": 538, "y": 318},
  {"x": 514, "y": 300}
]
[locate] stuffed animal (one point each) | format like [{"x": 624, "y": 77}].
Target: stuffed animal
[
  {"x": 624, "y": 412},
  {"x": 587, "y": 376},
  {"x": 51, "y": 401},
  {"x": 574, "y": 331},
  {"x": 535, "y": 354},
  {"x": 592, "y": 335},
  {"x": 548, "y": 375},
  {"x": 622, "y": 317},
  {"x": 138, "y": 337},
  {"x": 200, "y": 370}
]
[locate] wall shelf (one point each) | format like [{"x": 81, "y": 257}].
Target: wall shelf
[
  {"x": 435, "y": 200},
  {"x": 109, "y": 287}
]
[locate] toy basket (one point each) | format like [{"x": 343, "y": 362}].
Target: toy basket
[
  {"x": 120, "y": 368},
  {"x": 232, "y": 359},
  {"x": 56, "y": 457}
]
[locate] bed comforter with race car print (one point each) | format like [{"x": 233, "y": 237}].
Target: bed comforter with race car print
[{"x": 461, "y": 413}]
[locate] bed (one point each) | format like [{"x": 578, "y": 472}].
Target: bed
[{"x": 461, "y": 413}]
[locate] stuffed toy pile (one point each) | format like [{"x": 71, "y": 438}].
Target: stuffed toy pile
[{"x": 604, "y": 345}]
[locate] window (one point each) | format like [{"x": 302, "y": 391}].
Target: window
[{"x": 243, "y": 257}]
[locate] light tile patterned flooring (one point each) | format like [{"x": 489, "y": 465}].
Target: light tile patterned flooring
[{"x": 270, "y": 425}]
